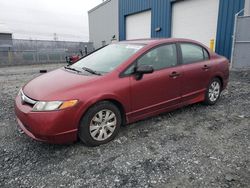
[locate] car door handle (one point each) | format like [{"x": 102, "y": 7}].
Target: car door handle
[
  {"x": 174, "y": 74},
  {"x": 205, "y": 67}
]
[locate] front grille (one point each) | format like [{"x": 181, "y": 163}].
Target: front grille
[{"x": 26, "y": 100}]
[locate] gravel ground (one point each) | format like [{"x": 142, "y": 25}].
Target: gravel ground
[{"x": 196, "y": 146}]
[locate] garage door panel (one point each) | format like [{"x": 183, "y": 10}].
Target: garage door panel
[
  {"x": 195, "y": 19},
  {"x": 138, "y": 25}
]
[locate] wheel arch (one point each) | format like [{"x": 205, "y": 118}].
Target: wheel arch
[
  {"x": 121, "y": 109},
  {"x": 221, "y": 80},
  {"x": 112, "y": 100},
  {"x": 219, "y": 75}
]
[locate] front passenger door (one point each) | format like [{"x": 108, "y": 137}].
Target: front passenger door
[{"x": 159, "y": 90}]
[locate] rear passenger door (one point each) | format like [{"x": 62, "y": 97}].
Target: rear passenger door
[{"x": 196, "y": 71}]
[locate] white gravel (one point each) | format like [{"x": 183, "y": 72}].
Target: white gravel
[{"x": 196, "y": 146}]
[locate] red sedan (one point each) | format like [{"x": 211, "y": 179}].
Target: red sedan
[{"x": 119, "y": 84}]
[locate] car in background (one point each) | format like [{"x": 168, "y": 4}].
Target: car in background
[
  {"x": 72, "y": 59},
  {"x": 116, "y": 85}
]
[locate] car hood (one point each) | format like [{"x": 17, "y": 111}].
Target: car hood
[{"x": 57, "y": 85}]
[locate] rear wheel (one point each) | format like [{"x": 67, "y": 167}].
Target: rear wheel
[
  {"x": 100, "y": 124},
  {"x": 213, "y": 92}
]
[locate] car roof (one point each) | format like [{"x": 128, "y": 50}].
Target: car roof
[{"x": 157, "y": 41}]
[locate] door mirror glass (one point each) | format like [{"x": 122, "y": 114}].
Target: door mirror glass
[{"x": 144, "y": 69}]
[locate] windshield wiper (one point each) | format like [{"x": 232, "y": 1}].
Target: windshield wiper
[
  {"x": 73, "y": 69},
  {"x": 91, "y": 71}
]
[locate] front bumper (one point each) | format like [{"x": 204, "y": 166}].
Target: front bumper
[{"x": 57, "y": 127}]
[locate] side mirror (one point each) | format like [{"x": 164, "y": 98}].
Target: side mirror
[{"x": 143, "y": 69}]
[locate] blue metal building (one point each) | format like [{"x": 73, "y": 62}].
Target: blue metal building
[{"x": 170, "y": 18}]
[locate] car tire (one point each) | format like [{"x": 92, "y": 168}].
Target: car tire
[
  {"x": 213, "y": 91},
  {"x": 100, "y": 124}
]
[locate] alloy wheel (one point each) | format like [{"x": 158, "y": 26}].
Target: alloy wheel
[
  {"x": 103, "y": 125},
  {"x": 214, "y": 91}
]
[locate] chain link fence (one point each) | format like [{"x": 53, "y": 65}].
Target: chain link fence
[{"x": 21, "y": 52}]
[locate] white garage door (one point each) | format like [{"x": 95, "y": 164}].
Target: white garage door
[
  {"x": 138, "y": 26},
  {"x": 195, "y": 19}
]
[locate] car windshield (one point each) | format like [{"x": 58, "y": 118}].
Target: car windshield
[{"x": 108, "y": 58}]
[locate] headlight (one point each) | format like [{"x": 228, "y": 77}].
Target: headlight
[{"x": 53, "y": 105}]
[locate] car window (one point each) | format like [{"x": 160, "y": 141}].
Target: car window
[
  {"x": 130, "y": 70},
  {"x": 191, "y": 53},
  {"x": 108, "y": 58},
  {"x": 160, "y": 57}
]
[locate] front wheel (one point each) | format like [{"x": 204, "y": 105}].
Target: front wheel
[
  {"x": 213, "y": 92},
  {"x": 100, "y": 124}
]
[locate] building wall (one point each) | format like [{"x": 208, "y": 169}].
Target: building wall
[
  {"x": 5, "y": 36},
  {"x": 5, "y": 40},
  {"x": 162, "y": 17},
  {"x": 227, "y": 10},
  {"x": 103, "y": 23}
]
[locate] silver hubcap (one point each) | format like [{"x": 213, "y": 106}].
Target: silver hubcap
[
  {"x": 102, "y": 125},
  {"x": 214, "y": 91}
]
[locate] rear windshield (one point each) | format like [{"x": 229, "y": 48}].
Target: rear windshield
[{"x": 108, "y": 58}]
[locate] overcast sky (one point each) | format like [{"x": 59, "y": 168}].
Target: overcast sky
[{"x": 40, "y": 19}]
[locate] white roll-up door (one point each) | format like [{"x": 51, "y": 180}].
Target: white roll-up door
[
  {"x": 195, "y": 19},
  {"x": 138, "y": 25}
]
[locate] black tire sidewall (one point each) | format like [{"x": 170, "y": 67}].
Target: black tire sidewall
[
  {"x": 83, "y": 131},
  {"x": 207, "y": 99}
]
